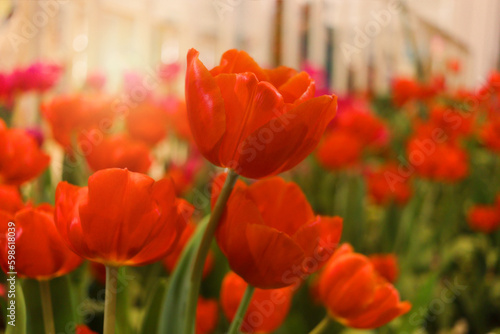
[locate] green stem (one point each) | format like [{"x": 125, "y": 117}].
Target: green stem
[
  {"x": 110, "y": 302},
  {"x": 242, "y": 310},
  {"x": 48, "y": 314},
  {"x": 201, "y": 255},
  {"x": 322, "y": 326}
]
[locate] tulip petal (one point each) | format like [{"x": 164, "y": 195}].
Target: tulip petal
[
  {"x": 276, "y": 253},
  {"x": 275, "y": 198},
  {"x": 234, "y": 61},
  {"x": 205, "y": 107},
  {"x": 298, "y": 88},
  {"x": 279, "y": 75},
  {"x": 319, "y": 238},
  {"x": 249, "y": 104},
  {"x": 293, "y": 136},
  {"x": 114, "y": 217}
]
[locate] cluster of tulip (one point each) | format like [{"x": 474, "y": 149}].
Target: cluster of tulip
[{"x": 112, "y": 232}]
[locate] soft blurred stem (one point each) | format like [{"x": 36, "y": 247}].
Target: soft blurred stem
[
  {"x": 242, "y": 310},
  {"x": 322, "y": 326},
  {"x": 110, "y": 302},
  {"x": 48, "y": 314},
  {"x": 202, "y": 252}
]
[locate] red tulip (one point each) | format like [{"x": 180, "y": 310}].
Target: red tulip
[
  {"x": 147, "y": 122},
  {"x": 255, "y": 121},
  {"x": 339, "y": 150},
  {"x": 82, "y": 329},
  {"x": 267, "y": 310},
  {"x": 10, "y": 199},
  {"x": 207, "y": 315},
  {"x": 355, "y": 294},
  {"x": 386, "y": 185},
  {"x": 40, "y": 251},
  {"x": 121, "y": 218},
  {"x": 271, "y": 236},
  {"x": 76, "y": 116},
  {"x": 120, "y": 151},
  {"x": 484, "y": 218},
  {"x": 21, "y": 159},
  {"x": 404, "y": 90},
  {"x": 446, "y": 162},
  {"x": 490, "y": 134},
  {"x": 386, "y": 265}
]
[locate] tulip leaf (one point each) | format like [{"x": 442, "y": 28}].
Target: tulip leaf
[
  {"x": 173, "y": 310},
  {"x": 20, "y": 315},
  {"x": 152, "y": 314},
  {"x": 62, "y": 305}
]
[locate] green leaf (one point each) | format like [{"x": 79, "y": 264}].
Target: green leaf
[
  {"x": 152, "y": 313},
  {"x": 20, "y": 320},
  {"x": 62, "y": 305},
  {"x": 173, "y": 311}
]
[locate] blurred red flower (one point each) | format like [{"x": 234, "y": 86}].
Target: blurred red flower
[
  {"x": 270, "y": 234},
  {"x": 404, "y": 90},
  {"x": 490, "y": 134},
  {"x": 386, "y": 265},
  {"x": 267, "y": 310},
  {"x": 484, "y": 218},
  {"x": 10, "y": 199},
  {"x": 74, "y": 116},
  {"x": 82, "y": 329},
  {"x": 21, "y": 159},
  {"x": 386, "y": 184},
  {"x": 121, "y": 218},
  {"x": 207, "y": 315},
  {"x": 339, "y": 150},
  {"x": 355, "y": 294},
  {"x": 120, "y": 151},
  {"x": 147, "y": 122},
  {"x": 255, "y": 121},
  {"x": 40, "y": 251}
]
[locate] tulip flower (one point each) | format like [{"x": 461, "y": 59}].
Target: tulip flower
[
  {"x": 120, "y": 151},
  {"x": 404, "y": 90},
  {"x": 386, "y": 184},
  {"x": 339, "y": 150},
  {"x": 121, "y": 218},
  {"x": 21, "y": 159},
  {"x": 484, "y": 218},
  {"x": 207, "y": 315},
  {"x": 490, "y": 134},
  {"x": 10, "y": 199},
  {"x": 257, "y": 122},
  {"x": 271, "y": 236},
  {"x": 36, "y": 238},
  {"x": 78, "y": 116},
  {"x": 355, "y": 294},
  {"x": 147, "y": 122},
  {"x": 386, "y": 265},
  {"x": 267, "y": 309},
  {"x": 82, "y": 329}
]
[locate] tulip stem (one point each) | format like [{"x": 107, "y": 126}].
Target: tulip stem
[
  {"x": 242, "y": 310},
  {"x": 201, "y": 255},
  {"x": 322, "y": 326},
  {"x": 48, "y": 314},
  {"x": 110, "y": 302}
]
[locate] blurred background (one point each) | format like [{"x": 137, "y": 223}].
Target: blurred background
[{"x": 361, "y": 44}]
